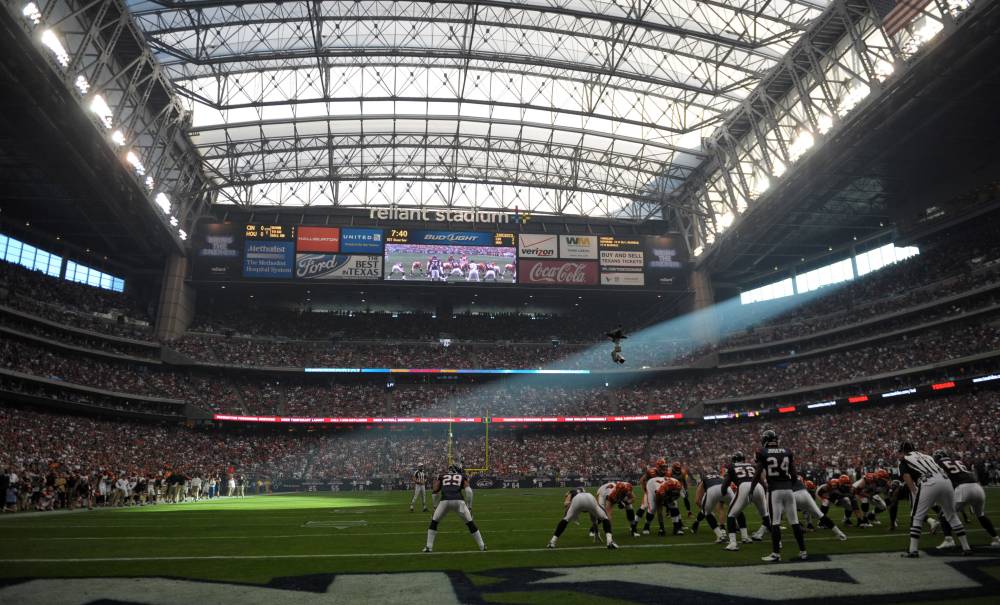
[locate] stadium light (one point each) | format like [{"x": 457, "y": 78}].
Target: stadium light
[
  {"x": 182, "y": 234},
  {"x": 150, "y": 183},
  {"x": 779, "y": 168},
  {"x": 824, "y": 123},
  {"x": 163, "y": 202},
  {"x": 760, "y": 184},
  {"x": 698, "y": 251},
  {"x": 82, "y": 84},
  {"x": 136, "y": 163},
  {"x": 173, "y": 221},
  {"x": 801, "y": 144},
  {"x": 31, "y": 13},
  {"x": 118, "y": 138},
  {"x": 50, "y": 40},
  {"x": 100, "y": 107},
  {"x": 884, "y": 69},
  {"x": 858, "y": 92},
  {"x": 727, "y": 219}
]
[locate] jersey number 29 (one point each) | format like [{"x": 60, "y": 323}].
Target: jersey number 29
[{"x": 455, "y": 480}]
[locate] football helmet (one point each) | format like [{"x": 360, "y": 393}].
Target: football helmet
[
  {"x": 844, "y": 480},
  {"x": 882, "y": 474},
  {"x": 810, "y": 485},
  {"x": 833, "y": 483},
  {"x": 869, "y": 477},
  {"x": 939, "y": 453},
  {"x": 768, "y": 436},
  {"x": 739, "y": 457}
]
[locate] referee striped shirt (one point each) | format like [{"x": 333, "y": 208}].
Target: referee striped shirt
[{"x": 920, "y": 467}]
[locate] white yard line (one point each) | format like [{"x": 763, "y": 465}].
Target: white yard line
[{"x": 397, "y": 554}]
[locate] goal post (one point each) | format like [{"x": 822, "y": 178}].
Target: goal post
[{"x": 486, "y": 448}]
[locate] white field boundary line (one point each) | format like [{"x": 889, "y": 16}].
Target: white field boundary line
[
  {"x": 422, "y": 520},
  {"x": 413, "y": 553}
]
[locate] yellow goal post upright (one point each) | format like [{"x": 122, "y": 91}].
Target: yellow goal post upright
[{"x": 486, "y": 453}]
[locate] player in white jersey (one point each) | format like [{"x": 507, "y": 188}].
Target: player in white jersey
[
  {"x": 456, "y": 273},
  {"x": 579, "y": 501},
  {"x": 649, "y": 499},
  {"x": 929, "y": 485},
  {"x": 397, "y": 268},
  {"x": 419, "y": 487},
  {"x": 491, "y": 272},
  {"x": 612, "y": 494},
  {"x": 473, "y": 272},
  {"x": 806, "y": 504}
]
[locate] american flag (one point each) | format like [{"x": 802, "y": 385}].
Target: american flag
[{"x": 897, "y": 14}]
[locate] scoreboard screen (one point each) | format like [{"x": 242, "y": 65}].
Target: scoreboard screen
[
  {"x": 270, "y": 232},
  {"x": 609, "y": 242}
]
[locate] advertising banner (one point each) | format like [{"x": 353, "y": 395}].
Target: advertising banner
[
  {"x": 622, "y": 279},
  {"x": 558, "y": 273},
  {"x": 274, "y": 260},
  {"x": 578, "y": 246},
  {"x": 666, "y": 261},
  {"x": 451, "y": 238},
  {"x": 337, "y": 266},
  {"x": 622, "y": 258},
  {"x": 361, "y": 241},
  {"x": 534, "y": 245},
  {"x": 217, "y": 251},
  {"x": 318, "y": 239}
]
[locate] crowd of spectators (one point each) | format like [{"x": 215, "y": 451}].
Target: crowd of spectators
[
  {"x": 51, "y": 455},
  {"x": 78, "y": 305}
]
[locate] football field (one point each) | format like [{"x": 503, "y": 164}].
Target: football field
[
  {"x": 302, "y": 548},
  {"x": 409, "y": 258}
]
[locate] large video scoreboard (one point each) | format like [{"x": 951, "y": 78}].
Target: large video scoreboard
[{"x": 229, "y": 251}]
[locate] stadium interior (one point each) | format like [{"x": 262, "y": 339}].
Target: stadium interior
[{"x": 270, "y": 271}]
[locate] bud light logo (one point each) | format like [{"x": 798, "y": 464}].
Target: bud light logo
[{"x": 451, "y": 238}]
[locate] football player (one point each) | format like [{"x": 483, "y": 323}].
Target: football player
[
  {"x": 659, "y": 469},
  {"x": 450, "y": 486},
  {"x": 665, "y": 496},
  {"x": 839, "y": 491},
  {"x": 612, "y": 494},
  {"x": 680, "y": 472},
  {"x": 968, "y": 493},
  {"x": 709, "y": 496},
  {"x": 740, "y": 475},
  {"x": 580, "y": 501},
  {"x": 775, "y": 465},
  {"x": 929, "y": 485},
  {"x": 419, "y": 487},
  {"x": 803, "y": 490},
  {"x": 869, "y": 490}
]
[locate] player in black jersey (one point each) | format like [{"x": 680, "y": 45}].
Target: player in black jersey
[
  {"x": 450, "y": 485},
  {"x": 741, "y": 474},
  {"x": 709, "y": 495},
  {"x": 775, "y": 465},
  {"x": 968, "y": 493}
]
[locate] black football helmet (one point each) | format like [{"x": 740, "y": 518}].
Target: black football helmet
[
  {"x": 768, "y": 436},
  {"x": 939, "y": 453},
  {"x": 739, "y": 457}
]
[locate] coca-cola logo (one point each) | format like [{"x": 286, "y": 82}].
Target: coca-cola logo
[{"x": 567, "y": 273}]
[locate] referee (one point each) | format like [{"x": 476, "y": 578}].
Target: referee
[{"x": 929, "y": 485}]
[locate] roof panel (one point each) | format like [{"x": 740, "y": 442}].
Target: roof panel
[{"x": 570, "y": 106}]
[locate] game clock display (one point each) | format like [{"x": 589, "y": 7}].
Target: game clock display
[{"x": 270, "y": 232}]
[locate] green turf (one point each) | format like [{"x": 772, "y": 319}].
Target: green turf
[
  {"x": 408, "y": 259},
  {"x": 263, "y": 537}
]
